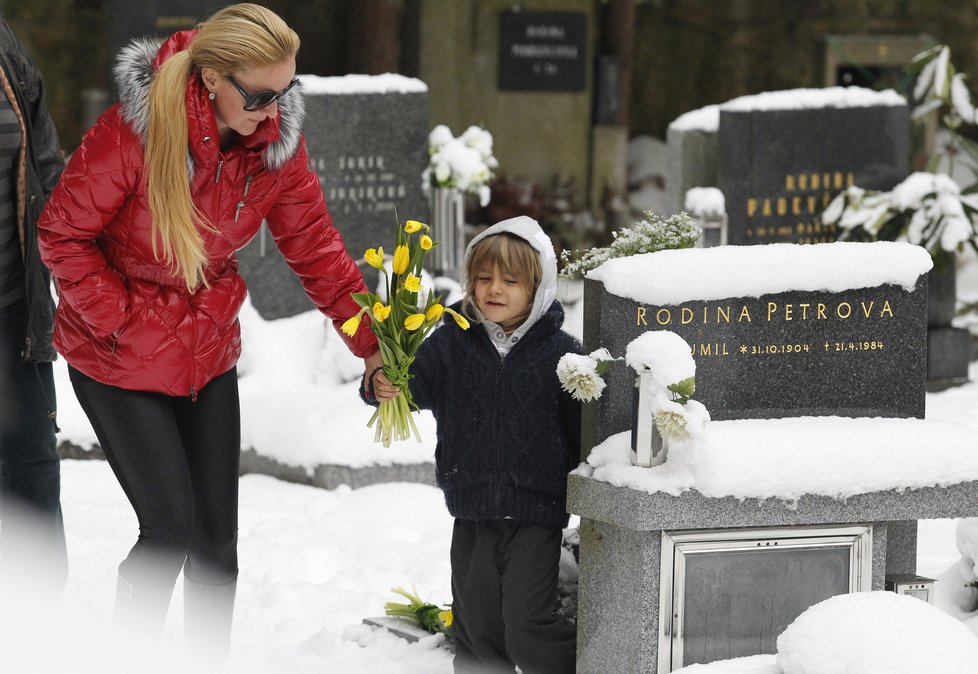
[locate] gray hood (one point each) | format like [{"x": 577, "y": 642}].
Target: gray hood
[{"x": 529, "y": 230}]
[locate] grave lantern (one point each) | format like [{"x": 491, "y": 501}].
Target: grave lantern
[
  {"x": 912, "y": 586},
  {"x": 647, "y": 442},
  {"x": 714, "y": 230},
  {"x": 707, "y": 207}
]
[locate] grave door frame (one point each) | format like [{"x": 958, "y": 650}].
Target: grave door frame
[{"x": 677, "y": 545}]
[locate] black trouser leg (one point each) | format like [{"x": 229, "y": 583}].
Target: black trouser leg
[
  {"x": 32, "y": 540},
  {"x": 504, "y": 585},
  {"x": 537, "y": 640},
  {"x": 177, "y": 462},
  {"x": 477, "y": 618}
]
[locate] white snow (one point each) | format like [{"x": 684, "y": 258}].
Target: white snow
[
  {"x": 830, "y": 456},
  {"x": 388, "y": 83},
  {"x": 707, "y": 118},
  {"x": 669, "y": 277},
  {"x": 876, "y": 632},
  {"x": 663, "y": 352},
  {"x": 705, "y": 201}
]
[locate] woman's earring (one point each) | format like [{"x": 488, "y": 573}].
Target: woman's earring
[{"x": 212, "y": 95}]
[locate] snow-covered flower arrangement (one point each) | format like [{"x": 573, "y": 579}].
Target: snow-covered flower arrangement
[
  {"x": 667, "y": 359},
  {"x": 648, "y": 235},
  {"x": 465, "y": 163},
  {"x": 581, "y": 375},
  {"x": 928, "y": 208}
]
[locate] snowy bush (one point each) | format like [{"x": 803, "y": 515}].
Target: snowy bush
[{"x": 648, "y": 235}]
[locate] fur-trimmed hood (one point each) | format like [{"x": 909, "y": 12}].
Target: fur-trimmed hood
[{"x": 135, "y": 66}]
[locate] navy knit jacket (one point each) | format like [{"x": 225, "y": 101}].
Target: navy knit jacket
[{"x": 507, "y": 432}]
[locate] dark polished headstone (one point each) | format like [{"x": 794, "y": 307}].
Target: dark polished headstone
[
  {"x": 857, "y": 353},
  {"x": 153, "y": 18},
  {"x": 779, "y": 169},
  {"x": 948, "y": 356},
  {"x": 369, "y": 150}
]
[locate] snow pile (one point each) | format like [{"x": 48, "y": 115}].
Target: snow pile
[
  {"x": 706, "y": 201},
  {"x": 669, "y": 277},
  {"x": 664, "y": 353},
  {"x": 708, "y": 118},
  {"x": 753, "y": 664},
  {"x": 876, "y": 632},
  {"x": 830, "y": 456},
  {"x": 388, "y": 83}
]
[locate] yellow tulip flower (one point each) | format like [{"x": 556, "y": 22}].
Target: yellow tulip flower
[
  {"x": 446, "y": 617},
  {"x": 380, "y": 312},
  {"x": 412, "y": 283},
  {"x": 434, "y": 312},
  {"x": 375, "y": 257},
  {"x": 401, "y": 258},
  {"x": 351, "y": 324},
  {"x": 461, "y": 320},
  {"x": 412, "y": 226},
  {"x": 426, "y": 242},
  {"x": 414, "y": 321}
]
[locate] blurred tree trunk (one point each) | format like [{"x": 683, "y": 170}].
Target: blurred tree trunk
[{"x": 375, "y": 32}]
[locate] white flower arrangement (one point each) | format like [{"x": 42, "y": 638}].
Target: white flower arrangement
[
  {"x": 581, "y": 375},
  {"x": 668, "y": 359},
  {"x": 465, "y": 163}
]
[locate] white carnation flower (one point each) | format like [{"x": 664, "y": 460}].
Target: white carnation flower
[
  {"x": 670, "y": 418},
  {"x": 579, "y": 377}
]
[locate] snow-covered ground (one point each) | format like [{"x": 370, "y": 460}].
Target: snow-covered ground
[{"x": 314, "y": 563}]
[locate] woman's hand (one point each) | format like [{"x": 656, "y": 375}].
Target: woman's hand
[{"x": 379, "y": 386}]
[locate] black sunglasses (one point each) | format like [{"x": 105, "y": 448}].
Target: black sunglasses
[{"x": 262, "y": 99}]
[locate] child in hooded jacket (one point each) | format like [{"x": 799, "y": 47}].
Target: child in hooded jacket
[{"x": 507, "y": 435}]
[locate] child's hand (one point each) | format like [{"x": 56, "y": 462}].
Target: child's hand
[{"x": 383, "y": 389}]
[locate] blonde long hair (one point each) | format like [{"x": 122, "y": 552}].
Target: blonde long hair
[
  {"x": 513, "y": 255},
  {"x": 239, "y": 36}
]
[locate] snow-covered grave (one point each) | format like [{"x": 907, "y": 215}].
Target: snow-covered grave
[
  {"x": 810, "y": 478},
  {"x": 780, "y": 157},
  {"x": 367, "y": 139}
]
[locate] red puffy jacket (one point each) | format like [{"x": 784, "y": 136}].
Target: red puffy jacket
[{"x": 124, "y": 318}]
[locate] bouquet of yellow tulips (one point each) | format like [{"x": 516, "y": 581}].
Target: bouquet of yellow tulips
[{"x": 401, "y": 324}]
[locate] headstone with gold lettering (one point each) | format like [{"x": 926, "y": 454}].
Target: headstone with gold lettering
[
  {"x": 778, "y": 157},
  {"x": 367, "y": 138},
  {"x": 784, "y": 155},
  {"x": 776, "y": 331}
]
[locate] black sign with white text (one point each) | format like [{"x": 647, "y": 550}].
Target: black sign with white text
[{"x": 543, "y": 51}]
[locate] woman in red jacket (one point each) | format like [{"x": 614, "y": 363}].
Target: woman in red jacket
[{"x": 140, "y": 236}]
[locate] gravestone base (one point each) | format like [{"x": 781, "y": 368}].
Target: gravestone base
[
  {"x": 948, "y": 356},
  {"x": 621, "y": 539}
]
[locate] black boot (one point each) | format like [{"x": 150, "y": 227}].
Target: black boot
[
  {"x": 208, "y": 611},
  {"x": 141, "y": 607}
]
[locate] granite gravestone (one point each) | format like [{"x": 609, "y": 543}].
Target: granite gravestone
[
  {"x": 367, "y": 138},
  {"x": 780, "y": 164},
  {"x": 854, "y": 353}
]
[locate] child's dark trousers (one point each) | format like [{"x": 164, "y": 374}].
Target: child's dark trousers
[{"x": 504, "y": 592}]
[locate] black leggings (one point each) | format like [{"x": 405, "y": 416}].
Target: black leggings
[{"x": 177, "y": 461}]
